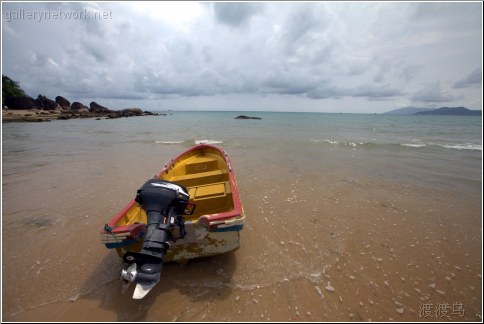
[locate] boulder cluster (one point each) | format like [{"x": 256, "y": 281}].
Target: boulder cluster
[{"x": 61, "y": 108}]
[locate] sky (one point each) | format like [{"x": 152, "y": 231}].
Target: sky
[{"x": 350, "y": 57}]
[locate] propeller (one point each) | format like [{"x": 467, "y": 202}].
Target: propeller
[
  {"x": 143, "y": 285},
  {"x": 142, "y": 289},
  {"x": 128, "y": 276}
]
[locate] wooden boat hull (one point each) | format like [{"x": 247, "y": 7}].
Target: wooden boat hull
[{"x": 206, "y": 171}]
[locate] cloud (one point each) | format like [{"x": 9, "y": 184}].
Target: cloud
[
  {"x": 306, "y": 35},
  {"x": 235, "y": 14},
  {"x": 303, "y": 51},
  {"x": 289, "y": 84},
  {"x": 474, "y": 79},
  {"x": 433, "y": 93},
  {"x": 374, "y": 92}
]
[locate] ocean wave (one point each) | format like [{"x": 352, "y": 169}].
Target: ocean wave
[
  {"x": 190, "y": 142},
  {"x": 353, "y": 144},
  {"x": 168, "y": 142},
  {"x": 461, "y": 146},
  {"x": 465, "y": 146},
  {"x": 207, "y": 141},
  {"x": 323, "y": 141},
  {"x": 413, "y": 144},
  {"x": 332, "y": 142}
]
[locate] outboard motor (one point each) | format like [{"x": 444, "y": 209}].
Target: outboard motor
[{"x": 164, "y": 203}]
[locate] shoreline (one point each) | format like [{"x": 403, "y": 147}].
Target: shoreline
[
  {"x": 39, "y": 115},
  {"x": 27, "y": 115}
]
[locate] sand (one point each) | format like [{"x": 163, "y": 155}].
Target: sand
[
  {"x": 33, "y": 115},
  {"x": 331, "y": 246}
]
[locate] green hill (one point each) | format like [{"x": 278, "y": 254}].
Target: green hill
[{"x": 454, "y": 111}]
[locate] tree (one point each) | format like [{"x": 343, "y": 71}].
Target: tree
[{"x": 10, "y": 88}]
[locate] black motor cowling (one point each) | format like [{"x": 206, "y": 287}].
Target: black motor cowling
[{"x": 164, "y": 203}]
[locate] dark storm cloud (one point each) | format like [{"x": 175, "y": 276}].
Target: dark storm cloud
[
  {"x": 374, "y": 92},
  {"x": 235, "y": 14},
  {"x": 326, "y": 91},
  {"x": 474, "y": 79},
  {"x": 433, "y": 93},
  {"x": 288, "y": 85}
]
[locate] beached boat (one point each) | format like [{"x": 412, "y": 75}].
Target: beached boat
[{"x": 190, "y": 209}]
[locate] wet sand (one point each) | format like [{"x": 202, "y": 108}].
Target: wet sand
[
  {"x": 323, "y": 241},
  {"x": 33, "y": 115}
]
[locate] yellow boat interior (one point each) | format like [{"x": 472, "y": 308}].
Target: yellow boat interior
[{"x": 205, "y": 174}]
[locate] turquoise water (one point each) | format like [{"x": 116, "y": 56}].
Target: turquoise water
[
  {"x": 461, "y": 133},
  {"x": 355, "y": 130},
  {"x": 443, "y": 149}
]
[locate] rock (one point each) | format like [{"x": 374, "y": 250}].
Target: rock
[
  {"x": 21, "y": 102},
  {"x": 62, "y": 109},
  {"x": 246, "y": 117},
  {"x": 63, "y": 102},
  {"x": 129, "y": 112},
  {"x": 149, "y": 113},
  {"x": 97, "y": 108},
  {"x": 79, "y": 107},
  {"x": 48, "y": 104}
]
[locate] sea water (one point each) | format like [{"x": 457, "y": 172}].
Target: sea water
[{"x": 407, "y": 145}]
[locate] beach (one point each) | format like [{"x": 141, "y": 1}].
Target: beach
[
  {"x": 29, "y": 115},
  {"x": 349, "y": 218}
]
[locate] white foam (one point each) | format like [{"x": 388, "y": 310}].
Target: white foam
[
  {"x": 466, "y": 146},
  {"x": 207, "y": 141},
  {"x": 413, "y": 144},
  {"x": 168, "y": 142},
  {"x": 332, "y": 142},
  {"x": 323, "y": 140},
  {"x": 356, "y": 144},
  {"x": 74, "y": 298}
]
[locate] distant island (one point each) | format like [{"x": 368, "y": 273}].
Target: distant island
[
  {"x": 406, "y": 111},
  {"x": 457, "y": 111},
  {"x": 449, "y": 111}
]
